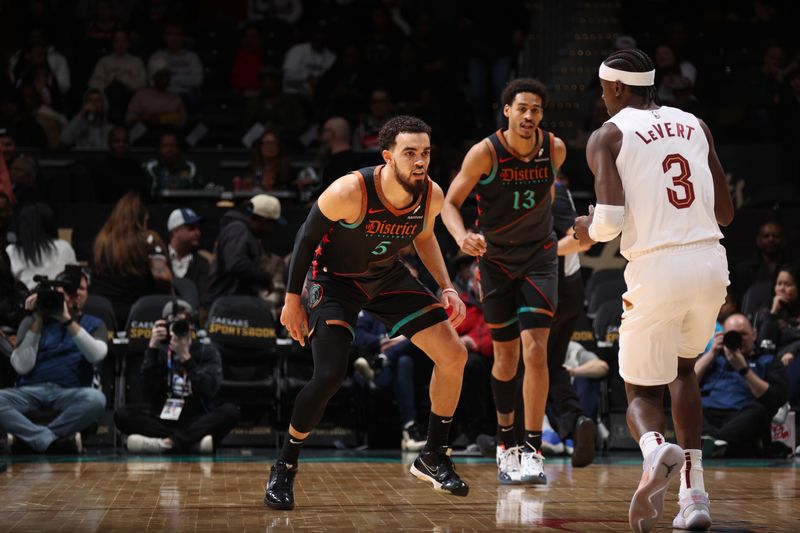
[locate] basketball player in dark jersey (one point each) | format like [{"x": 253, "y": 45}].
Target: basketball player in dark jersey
[
  {"x": 350, "y": 241},
  {"x": 512, "y": 172}
]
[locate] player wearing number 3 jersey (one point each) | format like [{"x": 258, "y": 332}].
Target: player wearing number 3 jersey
[
  {"x": 512, "y": 172},
  {"x": 659, "y": 182}
]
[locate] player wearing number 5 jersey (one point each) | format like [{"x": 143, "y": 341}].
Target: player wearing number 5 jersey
[
  {"x": 350, "y": 241},
  {"x": 659, "y": 182},
  {"x": 512, "y": 172}
]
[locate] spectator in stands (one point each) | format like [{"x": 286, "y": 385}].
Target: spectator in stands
[
  {"x": 89, "y": 129},
  {"x": 239, "y": 255},
  {"x": 57, "y": 348},
  {"x": 304, "y": 63},
  {"x": 247, "y": 63},
  {"x": 668, "y": 68},
  {"x": 36, "y": 97},
  {"x": 586, "y": 370},
  {"x": 100, "y": 29},
  {"x": 343, "y": 88},
  {"x": 182, "y": 378},
  {"x": 17, "y": 122},
  {"x": 474, "y": 333},
  {"x": 25, "y": 179},
  {"x": 117, "y": 173},
  {"x": 157, "y": 106},
  {"x": 381, "y": 109},
  {"x": 337, "y": 151},
  {"x": 770, "y": 253},
  {"x": 183, "y": 226},
  {"x": 38, "y": 250},
  {"x": 766, "y": 85},
  {"x": 185, "y": 65},
  {"x": 119, "y": 75},
  {"x": 394, "y": 360},
  {"x": 171, "y": 170},
  {"x": 129, "y": 260},
  {"x": 780, "y": 323},
  {"x": 742, "y": 388},
  {"x": 273, "y": 108},
  {"x": 37, "y": 52},
  {"x": 7, "y": 235},
  {"x": 269, "y": 164}
]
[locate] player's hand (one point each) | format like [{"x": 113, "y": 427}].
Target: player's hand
[
  {"x": 295, "y": 318},
  {"x": 787, "y": 358},
  {"x": 581, "y": 227},
  {"x": 473, "y": 244},
  {"x": 455, "y": 307}
]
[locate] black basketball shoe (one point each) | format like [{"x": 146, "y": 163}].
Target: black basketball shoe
[
  {"x": 279, "y": 493},
  {"x": 437, "y": 468}
]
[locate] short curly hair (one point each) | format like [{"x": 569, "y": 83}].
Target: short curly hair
[
  {"x": 387, "y": 137},
  {"x": 524, "y": 85}
]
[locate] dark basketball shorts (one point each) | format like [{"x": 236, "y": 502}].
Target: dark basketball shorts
[
  {"x": 403, "y": 304},
  {"x": 519, "y": 299}
]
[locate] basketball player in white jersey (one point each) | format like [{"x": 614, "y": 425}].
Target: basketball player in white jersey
[{"x": 659, "y": 182}]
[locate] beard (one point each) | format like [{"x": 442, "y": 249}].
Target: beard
[{"x": 412, "y": 186}]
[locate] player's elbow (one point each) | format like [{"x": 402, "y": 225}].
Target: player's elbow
[{"x": 724, "y": 217}]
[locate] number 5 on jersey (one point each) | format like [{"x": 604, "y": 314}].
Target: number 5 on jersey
[{"x": 381, "y": 248}]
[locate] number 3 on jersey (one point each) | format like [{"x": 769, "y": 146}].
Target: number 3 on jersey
[
  {"x": 681, "y": 180},
  {"x": 527, "y": 197}
]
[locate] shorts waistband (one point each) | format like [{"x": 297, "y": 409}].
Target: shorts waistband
[{"x": 674, "y": 247}]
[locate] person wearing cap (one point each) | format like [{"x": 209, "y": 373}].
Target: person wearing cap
[
  {"x": 238, "y": 266},
  {"x": 184, "y": 237},
  {"x": 181, "y": 377},
  {"x": 660, "y": 184},
  {"x": 157, "y": 106},
  {"x": 55, "y": 358}
]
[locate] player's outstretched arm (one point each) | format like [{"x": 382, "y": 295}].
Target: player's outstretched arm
[
  {"x": 431, "y": 256},
  {"x": 340, "y": 201},
  {"x": 605, "y": 220},
  {"x": 477, "y": 163},
  {"x": 723, "y": 204}
]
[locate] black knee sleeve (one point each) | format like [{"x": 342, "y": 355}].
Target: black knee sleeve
[
  {"x": 330, "y": 346},
  {"x": 505, "y": 395}
]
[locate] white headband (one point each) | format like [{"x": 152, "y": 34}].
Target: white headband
[{"x": 638, "y": 79}]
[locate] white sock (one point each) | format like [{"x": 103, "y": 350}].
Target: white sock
[
  {"x": 650, "y": 441},
  {"x": 692, "y": 471}
]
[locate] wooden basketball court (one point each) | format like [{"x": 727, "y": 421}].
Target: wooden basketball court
[{"x": 348, "y": 491}]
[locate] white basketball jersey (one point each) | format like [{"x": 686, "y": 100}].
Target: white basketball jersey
[{"x": 669, "y": 190}]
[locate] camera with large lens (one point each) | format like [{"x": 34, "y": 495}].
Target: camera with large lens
[
  {"x": 49, "y": 300},
  {"x": 732, "y": 340},
  {"x": 177, "y": 328}
]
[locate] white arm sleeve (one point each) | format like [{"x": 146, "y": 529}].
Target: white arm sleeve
[
  {"x": 607, "y": 222},
  {"x": 93, "y": 350},
  {"x": 23, "y": 358}
]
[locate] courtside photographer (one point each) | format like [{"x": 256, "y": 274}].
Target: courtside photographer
[
  {"x": 181, "y": 377},
  {"x": 57, "y": 348}
]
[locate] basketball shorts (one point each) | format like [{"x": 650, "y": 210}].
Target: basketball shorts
[
  {"x": 514, "y": 302},
  {"x": 669, "y": 310},
  {"x": 403, "y": 304}
]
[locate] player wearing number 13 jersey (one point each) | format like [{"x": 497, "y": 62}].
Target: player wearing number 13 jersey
[
  {"x": 659, "y": 182},
  {"x": 512, "y": 172}
]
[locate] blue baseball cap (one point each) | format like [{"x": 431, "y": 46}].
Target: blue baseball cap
[{"x": 182, "y": 216}]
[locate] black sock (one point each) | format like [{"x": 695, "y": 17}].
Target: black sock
[
  {"x": 291, "y": 450},
  {"x": 438, "y": 432},
  {"x": 533, "y": 438},
  {"x": 505, "y": 436}
]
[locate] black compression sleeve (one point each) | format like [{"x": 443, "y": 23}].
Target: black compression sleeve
[{"x": 308, "y": 237}]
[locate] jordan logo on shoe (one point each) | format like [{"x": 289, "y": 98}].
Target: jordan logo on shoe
[
  {"x": 669, "y": 467},
  {"x": 432, "y": 471}
]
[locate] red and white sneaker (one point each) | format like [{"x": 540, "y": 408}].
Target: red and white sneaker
[
  {"x": 694, "y": 514},
  {"x": 660, "y": 467}
]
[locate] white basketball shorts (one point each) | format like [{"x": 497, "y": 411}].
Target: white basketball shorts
[{"x": 670, "y": 309}]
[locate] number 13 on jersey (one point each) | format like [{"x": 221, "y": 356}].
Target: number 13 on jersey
[{"x": 524, "y": 199}]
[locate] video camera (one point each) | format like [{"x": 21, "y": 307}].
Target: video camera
[
  {"x": 732, "y": 340},
  {"x": 49, "y": 300}
]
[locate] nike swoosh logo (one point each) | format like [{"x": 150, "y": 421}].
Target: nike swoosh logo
[
  {"x": 373, "y": 211},
  {"x": 432, "y": 471},
  {"x": 505, "y": 159},
  {"x": 548, "y": 245}
]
